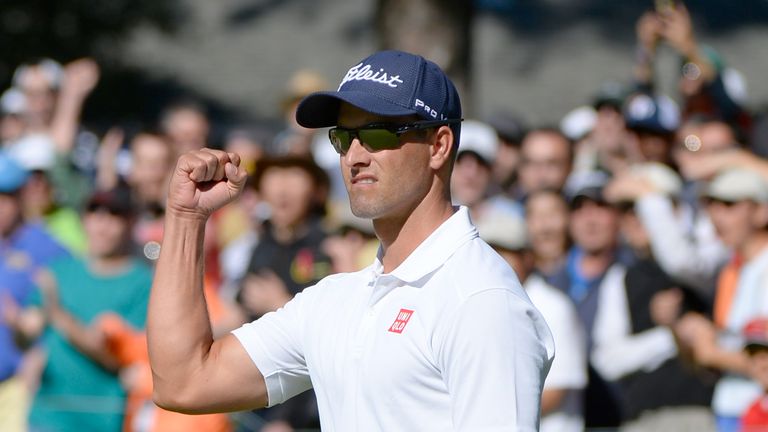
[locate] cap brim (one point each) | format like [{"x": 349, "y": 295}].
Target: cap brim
[
  {"x": 591, "y": 193},
  {"x": 321, "y": 109}
]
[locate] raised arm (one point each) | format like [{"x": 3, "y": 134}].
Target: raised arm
[
  {"x": 192, "y": 373},
  {"x": 80, "y": 78}
]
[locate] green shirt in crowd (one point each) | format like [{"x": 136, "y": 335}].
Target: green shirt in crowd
[{"x": 76, "y": 394}]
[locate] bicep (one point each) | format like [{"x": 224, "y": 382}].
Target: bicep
[{"x": 227, "y": 380}]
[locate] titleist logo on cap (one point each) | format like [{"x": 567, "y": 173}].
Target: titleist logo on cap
[{"x": 366, "y": 73}]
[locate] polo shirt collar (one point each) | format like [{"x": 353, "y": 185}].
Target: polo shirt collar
[{"x": 434, "y": 250}]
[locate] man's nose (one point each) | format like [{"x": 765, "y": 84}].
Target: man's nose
[{"x": 357, "y": 154}]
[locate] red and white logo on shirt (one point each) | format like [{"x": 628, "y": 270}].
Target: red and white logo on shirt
[{"x": 402, "y": 319}]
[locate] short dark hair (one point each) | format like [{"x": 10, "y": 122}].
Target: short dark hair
[{"x": 319, "y": 177}]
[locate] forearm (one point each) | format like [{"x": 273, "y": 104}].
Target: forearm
[
  {"x": 88, "y": 341},
  {"x": 716, "y": 357},
  {"x": 65, "y": 120},
  {"x": 693, "y": 54},
  {"x": 178, "y": 327}
]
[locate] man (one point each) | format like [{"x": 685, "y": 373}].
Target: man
[
  {"x": 437, "y": 334},
  {"x": 472, "y": 181},
  {"x": 546, "y": 161},
  {"x": 591, "y": 269},
  {"x": 737, "y": 202},
  {"x": 651, "y": 122},
  {"x": 185, "y": 124},
  {"x": 634, "y": 343}
]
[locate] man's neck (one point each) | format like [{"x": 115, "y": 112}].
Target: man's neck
[
  {"x": 401, "y": 236},
  {"x": 595, "y": 263}
]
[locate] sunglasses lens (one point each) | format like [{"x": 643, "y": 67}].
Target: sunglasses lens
[
  {"x": 340, "y": 140},
  {"x": 379, "y": 139}
]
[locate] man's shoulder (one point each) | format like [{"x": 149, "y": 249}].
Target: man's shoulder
[
  {"x": 338, "y": 283},
  {"x": 476, "y": 267},
  {"x": 550, "y": 301}
]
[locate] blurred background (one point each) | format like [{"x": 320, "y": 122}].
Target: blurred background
[
  {"x": 614, "y": 153},
  {"x": 542, "y": 56}
]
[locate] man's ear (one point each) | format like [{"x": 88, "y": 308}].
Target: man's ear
[{"x": 441, "y": 148}]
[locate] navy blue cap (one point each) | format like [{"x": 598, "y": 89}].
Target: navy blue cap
[
  {"x": 387, "y": 83},
  {"x": 659, "y": 115},
  {"x": 12, "y": 175}
]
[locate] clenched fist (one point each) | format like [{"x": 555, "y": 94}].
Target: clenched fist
[{"x": 204, "y": 181}]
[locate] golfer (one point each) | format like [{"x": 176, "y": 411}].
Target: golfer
[{"x": 435, "y": 335}]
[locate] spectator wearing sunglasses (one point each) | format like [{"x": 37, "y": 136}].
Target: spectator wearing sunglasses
[
  {"x": 436, "y": 334},
  {"x": 737, "y": 201}
]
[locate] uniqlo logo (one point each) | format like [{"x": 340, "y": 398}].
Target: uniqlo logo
[{"x": 402, "y": 319}]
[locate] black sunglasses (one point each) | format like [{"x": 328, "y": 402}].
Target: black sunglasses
[{"x": 378, "y": 136}]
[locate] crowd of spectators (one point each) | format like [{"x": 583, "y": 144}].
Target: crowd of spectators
[{"x": 638, "y": 225}]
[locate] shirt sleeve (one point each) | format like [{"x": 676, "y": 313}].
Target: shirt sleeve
[
  {"x": 495, "y": 352},
  {"x": 693, "y": 261},
  {"x": 275, "y": 344},
  {"x": 618, "y": 352}
]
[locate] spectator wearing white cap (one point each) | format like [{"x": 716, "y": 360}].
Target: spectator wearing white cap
[
  {"x": 48, "y": 99},
  {"x": 562, "y": 398},
  {"x": 472, "y": 181},
  {"x": 12, "y": 106},
  {"x": 737, "y": 201},
  {"x": 634, "y": 342},
  {"x": 39, "y": 195}
]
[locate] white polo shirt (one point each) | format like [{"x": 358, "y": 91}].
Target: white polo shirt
[{"x": 447, "y": 341}]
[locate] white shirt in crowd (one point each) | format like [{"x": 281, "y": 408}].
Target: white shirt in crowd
[
  {"x": 447, "y": 341},
  {"x": 569, "y": 369},
  {"x": 617, "y": 351}
]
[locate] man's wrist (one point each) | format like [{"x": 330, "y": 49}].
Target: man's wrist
[{"x": 190, "y": 216}]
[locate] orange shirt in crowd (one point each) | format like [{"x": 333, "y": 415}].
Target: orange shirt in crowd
[
  {"x": 727, "y": 282},
  {"x": 129, "y": 346}
]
